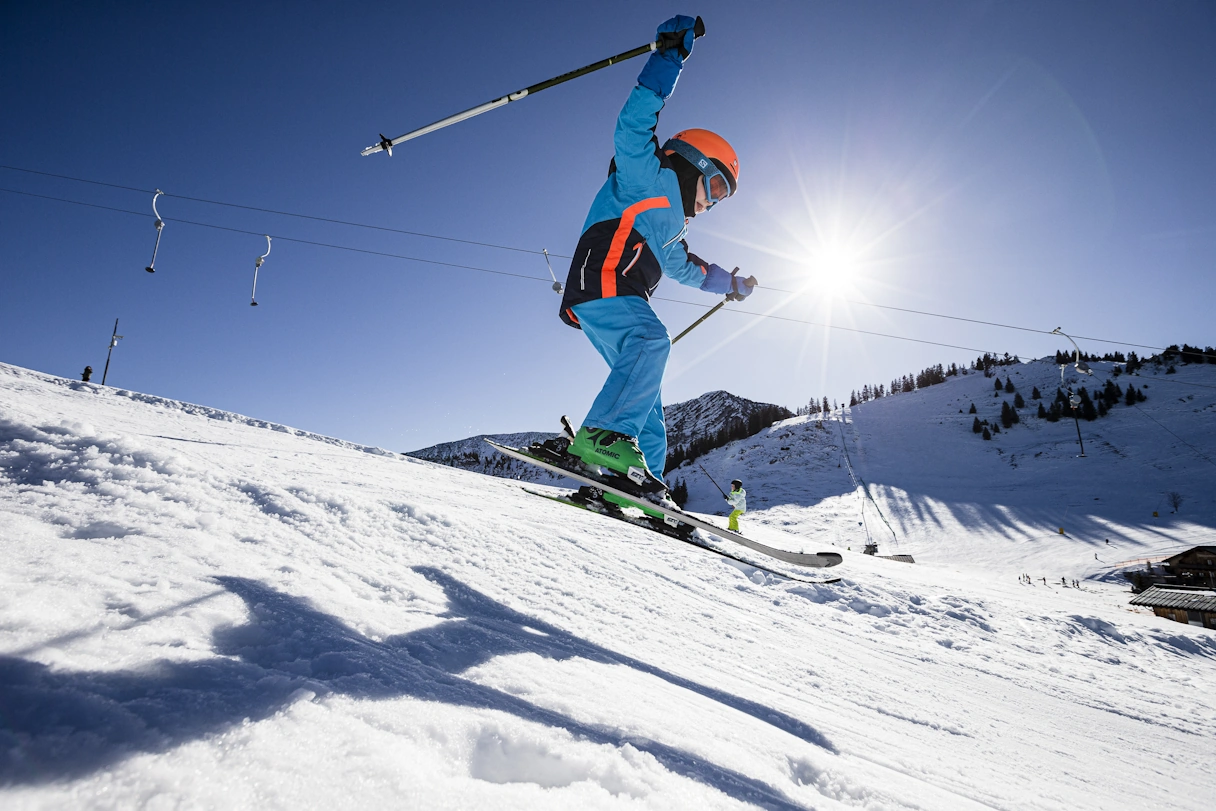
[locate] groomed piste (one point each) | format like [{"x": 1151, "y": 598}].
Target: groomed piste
[{"x": 204, "y": 609}]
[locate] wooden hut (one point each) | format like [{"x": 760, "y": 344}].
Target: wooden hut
[
  {"x": 1195, "y": 567},
  {"x": 1193, "y": 606}
]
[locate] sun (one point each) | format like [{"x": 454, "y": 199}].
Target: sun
[{"x": 833, "y": 268}]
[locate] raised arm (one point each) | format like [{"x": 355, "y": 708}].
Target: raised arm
[{"x": 634, "y": 141}]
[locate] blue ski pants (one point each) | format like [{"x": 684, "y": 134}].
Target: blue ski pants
[{"x": 634, "y": 342}]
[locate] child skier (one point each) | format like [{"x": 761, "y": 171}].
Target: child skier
[
  {"x": 633, "y": 235},
  {"x": 738, "y": 504}
]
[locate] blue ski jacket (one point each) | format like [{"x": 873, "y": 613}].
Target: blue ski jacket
[{"x": 635, "y": 230}]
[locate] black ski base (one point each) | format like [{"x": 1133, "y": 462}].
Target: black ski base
[{"x": 683, "y": 533}]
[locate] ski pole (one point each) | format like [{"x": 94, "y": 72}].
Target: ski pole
[
  {"x": 711, "y": 478},
  {"x": 667, "y": 40},
  {"x": 750, "y": 281},
  {"x": 696, "y": 323}
]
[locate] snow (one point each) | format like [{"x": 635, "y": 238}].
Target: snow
[{"x": 207, "y": 610}]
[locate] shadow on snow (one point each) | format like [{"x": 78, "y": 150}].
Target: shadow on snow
[{"x": 56, "y": 725}]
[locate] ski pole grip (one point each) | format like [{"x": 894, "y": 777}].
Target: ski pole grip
[{"x": 675, "y": 39}]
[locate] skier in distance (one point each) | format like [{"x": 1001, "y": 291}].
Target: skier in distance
[
  {"x": 738, "y": 504},
  {"x": 633, "y": 235}
]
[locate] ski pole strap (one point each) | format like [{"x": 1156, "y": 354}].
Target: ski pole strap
[{"x": 734, "y": 294}]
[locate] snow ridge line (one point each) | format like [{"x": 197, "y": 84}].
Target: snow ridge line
[{"x": 194, "y": 410}]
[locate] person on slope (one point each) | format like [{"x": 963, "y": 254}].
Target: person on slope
[
  {"x": 633, "y": 235},
  {"x": 738, "y": 504}
]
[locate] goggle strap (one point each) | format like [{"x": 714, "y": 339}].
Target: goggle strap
[{"x": 703, "y": 164}]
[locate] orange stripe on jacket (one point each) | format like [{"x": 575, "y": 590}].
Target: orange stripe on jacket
[{"x": 608, "y": 273}]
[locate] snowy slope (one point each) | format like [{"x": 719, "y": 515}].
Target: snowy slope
[{"x": 205, "y": 610}]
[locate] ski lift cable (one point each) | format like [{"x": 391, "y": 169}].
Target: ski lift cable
[
  {"x": 285, "y": 213},
  {"x": 1202, "y": 455},
  {"x": 480, "y": 269},
  {"x": 828, "y": 326},
  {"x": 968, "y": 320},
  {"x": 533, "y": 278},
  {"x": 285, "y": 239},
  {"x": 545, "y": 252}
]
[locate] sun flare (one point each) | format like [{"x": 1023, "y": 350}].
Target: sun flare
[{"x": 834, "y": 268}]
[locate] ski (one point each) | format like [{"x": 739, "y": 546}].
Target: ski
[
  {"x": 684, "y": 537},
  {"x": 554, "y": 462}
]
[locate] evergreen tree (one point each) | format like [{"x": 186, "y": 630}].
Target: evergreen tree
[
  {"x": 1006, "y": 415},
  {"x": 679, "y": 493},
  {"x": 1018, "y": 402},
  {"x": 1034, "y": 393},
  {"x": 1009, "y": 387},
  {"x": 1042, "y": 412},
  {"x": 972, "y": 411},
  {"x": 987, "y": 434},
  {"x": 1088, "y": 412},
  {"x": 976, "y": 426},
  {"x": 997, "y": 383}
]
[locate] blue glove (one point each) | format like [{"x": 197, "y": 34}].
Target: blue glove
[
  {"x": 663, "y": 67},
  {"x": 667, "y": 34},
  {"x": 740, "y": 288},
  {"x": 717, "y": 280}
]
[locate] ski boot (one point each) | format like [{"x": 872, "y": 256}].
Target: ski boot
[{"x": 619, "y": 453}]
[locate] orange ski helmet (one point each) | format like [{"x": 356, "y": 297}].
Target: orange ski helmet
[{"x": 710, "y": 153}]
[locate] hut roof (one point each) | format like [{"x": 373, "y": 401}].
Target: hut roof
[
  {"x": 1177, "y": 597},
  {"x": 1196, "y": 554}
]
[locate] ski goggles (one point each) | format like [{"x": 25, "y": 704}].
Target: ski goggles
[{"x": 717, "y": 187}]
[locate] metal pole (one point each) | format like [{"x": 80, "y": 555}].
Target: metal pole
[
  {"x": 1078, "y": 423},
  {"x": 750, "y": 281},
  {"x": 386, "y": 144},
  {"x": 711, "y": 478},
  {"x": 113, "y": 341},
  {"x": 696, "y": 323}
]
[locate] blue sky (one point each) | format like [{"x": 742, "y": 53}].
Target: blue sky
[{"x": 1039, "y": 164}]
